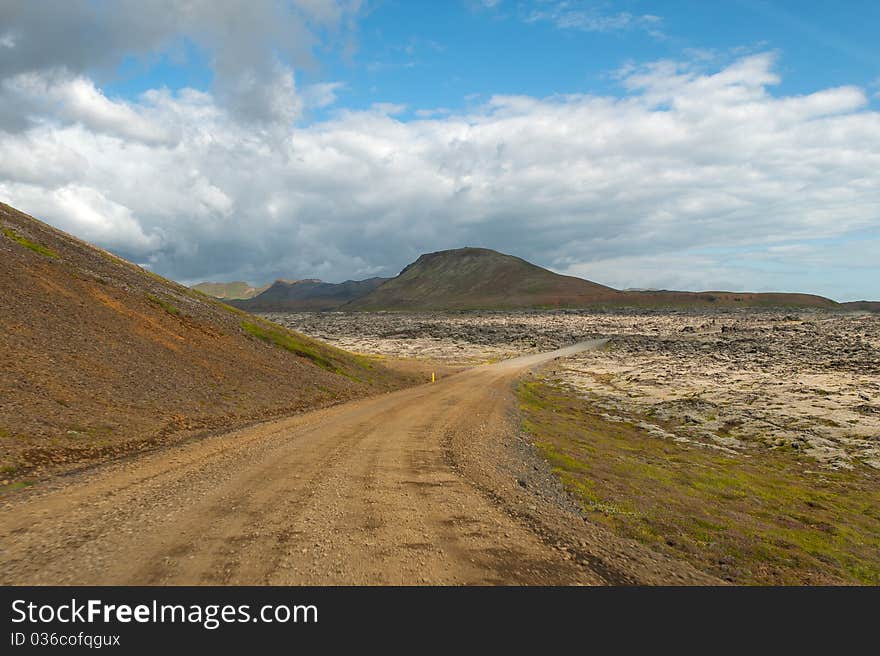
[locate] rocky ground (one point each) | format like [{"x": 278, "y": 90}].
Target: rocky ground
[
  {"x": 460, "y": 338},
  {"x": 729, "y": 381}
]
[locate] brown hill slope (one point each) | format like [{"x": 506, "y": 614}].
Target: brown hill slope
[
  {"x": 99, "y": 357},
  {"x": 229, "y": 290},
  {"x": 479, "y": 278},
  {"x": 308, "y": 295}
]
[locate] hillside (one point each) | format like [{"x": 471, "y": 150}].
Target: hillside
[
  {"x": 479, "y": 278},
  {"x": 675, "y": 299},
  {"x": 99, "y": 357},
  {"x": 308, "y": 295},
  {"x": 229, "y": 290}
]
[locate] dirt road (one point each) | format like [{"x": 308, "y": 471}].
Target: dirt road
[{"x": 403, "y": 488}]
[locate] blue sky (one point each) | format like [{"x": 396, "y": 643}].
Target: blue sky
[
  {"x": 677, "y": 144},
  {"x": 428, "y": 55}
]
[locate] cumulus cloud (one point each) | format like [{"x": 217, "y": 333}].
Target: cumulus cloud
[
  {"x": 37, "y": 97},
  {"x": 637, "y": 190},
  {"x": 252, "y": 45}
]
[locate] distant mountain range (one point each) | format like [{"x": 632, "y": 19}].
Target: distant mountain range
[
  {"x": 480, "y": 278},
  {"x": 229, "y": 290},
  {"x": 866, "y": 306},
  {"x": 286, "y": 295}
]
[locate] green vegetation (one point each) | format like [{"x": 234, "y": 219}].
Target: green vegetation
[
  {"x": 165, "y": 305},
  {"x": 17, "y": 485},
  {"x": 27, "y": 243},
  {"x": 289, "y": 341},
  {"x": 9, "y": 435},
  {"x": 769, "y": 517}
]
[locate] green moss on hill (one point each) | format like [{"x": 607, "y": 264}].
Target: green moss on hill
[
  {"x": 27, "y": 243},
  {"x": 289, "y": 341}
]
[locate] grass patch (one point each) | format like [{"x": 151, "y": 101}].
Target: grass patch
[
  {"x": 17, "y": 485},
  {"x": 170, "y": 308},
  {"x": 9, "y": 435},
  {"x": 765, "y": 519},
  {"x": 27, "y": 243},
  {"x": 289, "y": 341}
]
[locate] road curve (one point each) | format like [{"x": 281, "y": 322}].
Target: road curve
[{"x": 384, "y": 490}]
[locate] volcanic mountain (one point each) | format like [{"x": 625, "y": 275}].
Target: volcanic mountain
[
  {"x": 479, "y": 278},
  {"x": 285, "y": 295},
  {"x": 99, "y": 357}
]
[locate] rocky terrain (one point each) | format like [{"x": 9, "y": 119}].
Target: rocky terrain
[
  {"x": 734, "y": 381},
  {"x": 803, "y": 383}
]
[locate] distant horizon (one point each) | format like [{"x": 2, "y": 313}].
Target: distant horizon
[{"x": 643, "y": 289}]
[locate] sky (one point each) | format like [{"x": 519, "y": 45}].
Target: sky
[{"x": 680, "y": 144}]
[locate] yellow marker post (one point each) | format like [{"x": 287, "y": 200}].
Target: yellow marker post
[{"x": 432, "y": 376}]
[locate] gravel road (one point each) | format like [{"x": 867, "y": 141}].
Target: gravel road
[{"x": 402, "y": 488}]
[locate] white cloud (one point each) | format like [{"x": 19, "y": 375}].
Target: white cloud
[
  {"x": 632, "y": 191},
  {"x": 432, "y": 113},
  {"x": 252, "y": 46},
  {"x": 88, "y": 214},
  {"x": 389, "y": 109},
  {"x": 322, "y": 94},
  {"x": 77, "y": 100},
  {"x": 583, "y": 16}
]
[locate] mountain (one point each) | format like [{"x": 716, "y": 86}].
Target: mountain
[
  {"x": 467, "y": 278},
  {"x": 229, "y": 290},
  {"x": 479, "y": 278},
  {"x": 286, "y": 295},
  {"x": 674, "y": 299},
  {"x": 99, "y": 357}
]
